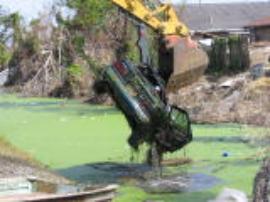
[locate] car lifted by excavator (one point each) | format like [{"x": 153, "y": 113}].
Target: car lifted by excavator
[{"x": 139, "y": 90}]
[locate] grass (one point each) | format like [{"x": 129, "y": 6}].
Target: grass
[
  {"x": 62, "y": 134},
  {"x": 10, "y": 151}
]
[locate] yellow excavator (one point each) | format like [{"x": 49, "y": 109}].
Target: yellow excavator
[
  {"x": 140, "y": 90},
  {"x": 181, "y": 62}
]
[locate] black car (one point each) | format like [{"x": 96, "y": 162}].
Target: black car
[{"x": 139, "y": 93}]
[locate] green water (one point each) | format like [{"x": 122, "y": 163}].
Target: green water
[{"x": 64, "y": 134}]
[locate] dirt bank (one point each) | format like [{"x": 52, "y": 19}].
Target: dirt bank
[
  {"x": 15, "y": 163},
  {"x": 11, "y": 167},
  {"x": 228, "y": 99}
]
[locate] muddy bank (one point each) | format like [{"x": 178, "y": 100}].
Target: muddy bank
[
  {"x": 237, "y": 99},
  {"x": 16, "y": 163},
  {"x": 12, "y": 167}
]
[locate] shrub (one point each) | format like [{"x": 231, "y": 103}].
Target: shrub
[
  {"x": 5, "y": 55},
  {"x": 235, "y": 53},
  {"x": 74, "y": 71},
  {"x": 228, "y": 55},
  {"x": 89, "y": 12},
  {"x": 218, "y": 55}
]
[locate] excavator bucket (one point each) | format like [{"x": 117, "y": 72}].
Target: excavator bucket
[
  {"x": 189, "y": 65},
  {"x": 181, "y": 62}
]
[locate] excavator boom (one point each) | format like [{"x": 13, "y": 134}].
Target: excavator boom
[
  {"x": 179, "y": 64},
  {"x": 162, "y": 19}
]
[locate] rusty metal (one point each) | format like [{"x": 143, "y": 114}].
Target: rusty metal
[
  {"x": 189, "y": 66},
  {"x": 105, "y": 194}
]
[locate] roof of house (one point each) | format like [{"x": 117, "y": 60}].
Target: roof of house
[
  {"x": 260, "y": 22},
  {"x": 227, "y": 16}
]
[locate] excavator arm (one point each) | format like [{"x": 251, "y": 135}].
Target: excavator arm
[
  {"x": 162, "y": 19},
  {"x": 180, "y": 61}
]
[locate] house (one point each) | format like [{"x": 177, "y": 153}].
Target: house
[
  {"x": 260, "y": 29},
  {"x": 215, "y": 27},
  {"x": 223, "y": 18}
]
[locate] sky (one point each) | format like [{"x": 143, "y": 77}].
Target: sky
[
  {"x": 27, "y": 8},
  {"x": 31, "y": 8}
]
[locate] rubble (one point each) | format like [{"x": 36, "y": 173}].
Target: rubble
[
  {"x": 260, "y": 70},
  {"x": 227, "y": 99},
  {"x": 231, "y": 195}
]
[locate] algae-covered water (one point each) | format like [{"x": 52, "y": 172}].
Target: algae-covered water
[{"x": 88, "y": 143}]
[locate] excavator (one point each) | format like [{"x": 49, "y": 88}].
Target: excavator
[{"x": 140, "y": 90}]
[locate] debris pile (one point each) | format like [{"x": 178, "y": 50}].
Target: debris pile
[{"x": 237, "y": 99}]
